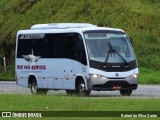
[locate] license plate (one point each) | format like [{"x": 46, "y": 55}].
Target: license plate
[{"x": 116, "y": 87}]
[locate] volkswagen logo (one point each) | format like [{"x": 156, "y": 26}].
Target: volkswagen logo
[{"x": 116, "y": 74}]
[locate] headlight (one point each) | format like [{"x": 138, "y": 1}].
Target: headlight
[
  {"x": 97, "y": 76},
  {"x": 134, "y": 76}
]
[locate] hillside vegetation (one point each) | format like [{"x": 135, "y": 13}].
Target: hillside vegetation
[{"x": 139, "y": 18}]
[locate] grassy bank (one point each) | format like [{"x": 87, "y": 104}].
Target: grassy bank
[
  {"x": 9, "y": 75},
  {"x": 65, "y": 103},
  {"x": 149, "y": 76}
]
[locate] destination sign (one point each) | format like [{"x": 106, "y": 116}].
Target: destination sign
[{"x": 32, "y": 36}]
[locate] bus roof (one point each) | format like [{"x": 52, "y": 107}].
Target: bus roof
[
  {"x": 62, "y": 25},
  {"x": 65, "y": 27}
]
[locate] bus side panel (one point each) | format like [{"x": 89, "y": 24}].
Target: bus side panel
[
  {"x": 69, "y": 78},
  {"x": 49, "y": 73},
  {"x": 56, "y": 70},
  {"x": 22, "y": 74}
]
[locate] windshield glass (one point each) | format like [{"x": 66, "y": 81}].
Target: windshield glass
[{"x": 109, "y": 47}]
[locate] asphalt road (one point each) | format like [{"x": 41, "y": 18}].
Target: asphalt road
[{"x": 143, "y": 91}]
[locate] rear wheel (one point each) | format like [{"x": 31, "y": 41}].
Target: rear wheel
[
  {"x": 43, "y": 91},
  {"x": 125, "y": 92},
  {"x": 71, "y": 92},
  {"x": 82, "y": 89},
  {"x": 35, "y": 89}
]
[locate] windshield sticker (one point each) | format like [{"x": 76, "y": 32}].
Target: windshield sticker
[{"x": 31, "y": 58}]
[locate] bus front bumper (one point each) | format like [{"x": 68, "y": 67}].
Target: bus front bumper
[{"x": 112, "y": 84}]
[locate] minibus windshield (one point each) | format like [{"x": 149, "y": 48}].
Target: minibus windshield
[{"x": 110, "y": 47}]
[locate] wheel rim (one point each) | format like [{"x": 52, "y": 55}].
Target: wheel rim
[
  {"x": 34, "y": 88},
  {"x": 82, "y": 87}
]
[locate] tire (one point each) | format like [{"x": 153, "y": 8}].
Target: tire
[
  {"x": 125, "y": 92},
  {"x": 34, "y": 87},
  {"x": 35, "y": 90},
  {"x": 82, "y": 89},
  {"x": 71, "y": 92},
  {"x": 43, "y": 91}
]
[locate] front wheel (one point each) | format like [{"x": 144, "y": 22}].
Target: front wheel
[
  {"x": 125, "y": 92},
  {"x": 82, "y": 89}
]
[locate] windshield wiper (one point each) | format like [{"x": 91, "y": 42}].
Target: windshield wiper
[{"x": 112, "y": 51}]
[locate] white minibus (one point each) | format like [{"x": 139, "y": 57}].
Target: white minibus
[{"x": 76, "y": 57}]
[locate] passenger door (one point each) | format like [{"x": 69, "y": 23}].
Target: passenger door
[
  {"x": 55, "y": 48},
  {"x": 68, "y": 80},
  {"x": 74, "y": 54}
]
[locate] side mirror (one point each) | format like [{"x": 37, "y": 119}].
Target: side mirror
[{"x": 131, "y": 40}]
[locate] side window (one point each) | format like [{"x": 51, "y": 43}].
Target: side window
[
  {"x": 68, "y": 46},
  {"x": 79, "y": 50},
  {"x": 39, "y": 47},
  {"x": 60, "y": 45},
  {"x": 51, "y": 46},
  {"x": 24, "y": 47},
  {"x": 74, "y": 48},
  {"x": 55, "y": 43}
]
